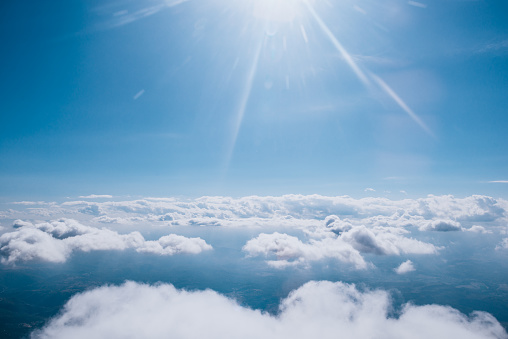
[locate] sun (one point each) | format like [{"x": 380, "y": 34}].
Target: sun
[{"x": 280, "y": 11}]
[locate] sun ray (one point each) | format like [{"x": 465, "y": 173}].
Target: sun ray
[
  {"x": 388, "y": 90},
  {"x": 242, "y": 105},
  {"x": 361, "y": 75},
  {"x": 344, "y": 53}
]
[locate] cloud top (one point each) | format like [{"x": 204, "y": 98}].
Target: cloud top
[
  {"x": 315, "y": 310},
  {"x": 289, "y": 250},
  {"x": 432, "y": 213},
  {"x": 335, "y": 239},
  {"x": 55, "y": 241},
  {"x": 405, "y": 267}
]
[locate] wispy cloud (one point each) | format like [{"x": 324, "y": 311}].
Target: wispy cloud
[
  {"x": 95, "y": 196},
  {"x": 121, "y": 17},
  {"x": 138, "y": 94},
  {"x": 417, "y": 4},
  {"x": 494, "y": 46}
]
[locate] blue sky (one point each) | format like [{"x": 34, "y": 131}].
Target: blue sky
[
  {"x": 253, "y": 97},
  {"x": 263, "y": 168}
]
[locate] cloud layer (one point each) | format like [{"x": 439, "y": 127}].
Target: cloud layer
[
  {"x": 55, "y": 241},
  {"x": 339, "y": 227},
  {"x": 315, "y": 310},
  {"x": 433, "y": 213}
]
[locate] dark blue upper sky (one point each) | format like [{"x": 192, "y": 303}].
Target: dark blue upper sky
[{"x": 253, "y": 97}]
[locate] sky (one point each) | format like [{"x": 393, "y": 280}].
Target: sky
[
  {"x": 254, "y": 169},
  {"x": 188, "y": 98}
]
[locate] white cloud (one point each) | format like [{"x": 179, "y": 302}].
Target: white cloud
[
  {"x": 478, "y": 229},
  {"x": 173, "y": 244},
  {"x": 31, "y": 243},
  {"x": 368, "y": 189},
  {"x": 138, "y": 94},
  {"x": 55, "y": 241},
  {"x": 503, "y": 245},
  {"x": 347, "y": 246},
  {"x": 355, "y": 226},
  {"x": 295, "y": 211},
  {"x": 417, "y": 4},
  {"x": 96, "y": 196},
  {"x": 20, "y": 223},
  {"x": 335, "y": 224},
  {"x": 441, "y": 226},
  {"x": 27, "y": 203},
  {"x": 290, "y": 250},
  {"x": 473, "y": 208},
  {"x": 405, "y": 267},
  {"x": 383, "y": 241},
  {"x": 315, "y": 310}
]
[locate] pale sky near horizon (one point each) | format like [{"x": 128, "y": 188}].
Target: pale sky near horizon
[{"x": 253, "y": 97}]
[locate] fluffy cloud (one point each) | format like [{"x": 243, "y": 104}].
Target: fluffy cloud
[
  {"x": 283, "y": 211},
  {"x": 173, "y": 244},
  {"x": 315, "y": 310},
  {"x": 290, "y": 250},
  {"x": 478, "y": 229},
  {"x": 55, "y": 241},
  {"x": 473, "y": 208},
  {"x": 405, "y": 267},
  {"x": 441, "y": 226},
  {"x": 335, "y": 224},
  {"x": 385, "y": 241},
  {"x": 30, "y": 243},
  {"x": 368, "y": 225},
  {"x": 347, "y": 246}
]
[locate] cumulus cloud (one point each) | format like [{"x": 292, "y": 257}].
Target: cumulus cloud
[
  {"x": 315, "y": 310},
  {"x": 31, "y": 243},
  {"x": 96, "y": 196},
  {"x": 298, "y": 211},
  {"x": 173, "y": 244},
  {"x": 478, "y": 229},
  {"x": 347, "y": 246},
  {"x": 55, "y": 241},
  {"x": 290, "y": 250},
  {"x": 473, "y": 208},
  {"x": 385, "y": 242},
  {"x": 405, "y": 267},
  {"x": 441, "y": 226},
  {"x": 345, "y": 216},
  {"x": 20, "y": 223},
  {"x": 335, "y": 224}
]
